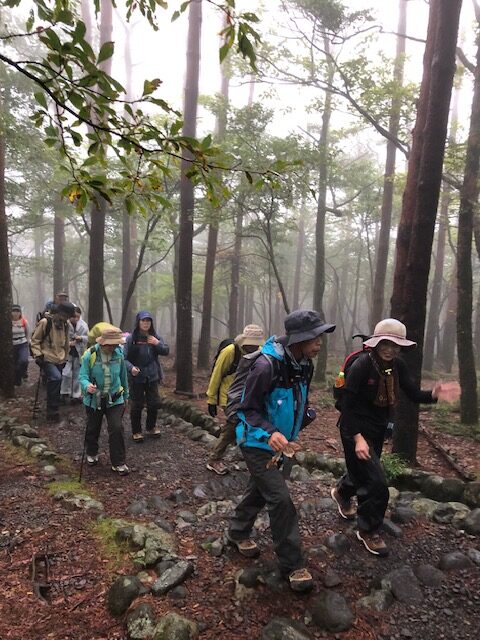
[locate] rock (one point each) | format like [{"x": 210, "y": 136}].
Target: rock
[
  {"x": 122, "y": 593},
  {"x": 404, "y": 585},
  {"x": 338, "y": 543},
  {"x": 284, "y": 629},
  {"x": 50, "y": 456},
  {"x": 139, "y": 535},
  {"x": 446, "y": 512},
  {"x": 326, "y": 504},
  {"x": 141, "y": 622},
  {"x": 424, "y": 507},
  {"x": 331, "y": 579},
  {"x": 275, "y": 581},
  {"x": 200, "y": 491},
  {"x": 178, "y": 593},
  {"x": 157, "y": 503},
  {"x": 429, "y": 575},
  {"x": 37, "y": 450},
  {"x": 179, "y": 496},
  {"x": 474, "y": 556},
  {"x": 162, "y": 566},
  {"x": 299, "y": 474},
  {"x": 138, "y": 508},
  {"x": 454, "y": 560},
  {"x": 378, "y": 600},
  {"x": 307, "y": 508},
  {"x": 164, "y": 525},
  {"x": 123, "y": 534},
  {"x": 187, "y": 516},
  {"x": 471, "y": 524},
  {"x": 410, "y": 480},
  {"x": 471, "y": 494},
  {"x": 195, "y": 434},
  {"x": 392, "y": 529},
  {"x": 393, "y": 493},
  {"x": 80, "y": 502},
  {"x": 330, "y": 611},
  {"x": 175, "y": 627},
  {"x": 442, "y": 489},
  {"x": 250, "y": 577},
  {"x": 172, "y": 577},
  {"x": 403, "y": 514},
  {"x": 49, "y": 470}
]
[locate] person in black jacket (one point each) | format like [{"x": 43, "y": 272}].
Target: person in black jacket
[
  {"x": 371, "y": 392},
  {"x": 142, "y": 349}
]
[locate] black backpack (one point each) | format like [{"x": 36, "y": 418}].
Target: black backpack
[
  {"x": 236, "y": 359},
  {"x": 235, "y": 392},
  {"x": 339, "y": 386}
]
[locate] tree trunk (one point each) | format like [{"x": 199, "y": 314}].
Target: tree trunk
[
  {"x": 299, "y": 259},
  {"x": 204, "y": 342},
  {"x": 184, "y": 381},
  {"x": 468, "y": 201},
  {"x": 58, "y": 254},
  {"x": 319, "y": 285},
  {"x": 378, "y": 295},
  {"x": 38, "y": 239},
  {"x": 435, "y": 298},
  {"x": 233, "y": 327},
  {"x": 7, "y": 371},
  {"x": 449, "y": 329},
  {"x": 429, "y": 170}
]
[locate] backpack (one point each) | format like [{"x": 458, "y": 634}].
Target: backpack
[
  {"x": 236, "y": 358},
  {"x": 235, "y": 392},
  {"x": 48, "y": 328},
  {"x": 338, "y": 387}
]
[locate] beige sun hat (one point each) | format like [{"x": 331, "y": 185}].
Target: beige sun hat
[
  {"x": 113, "y": 335},
  {"x": 252, "y": 335},
  {"x": 391, "y": 330}
]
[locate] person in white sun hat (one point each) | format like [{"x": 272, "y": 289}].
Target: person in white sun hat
[{"x": 371, "y": 391}]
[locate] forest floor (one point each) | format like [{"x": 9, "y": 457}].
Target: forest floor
[{"x": 82, "y": 567}]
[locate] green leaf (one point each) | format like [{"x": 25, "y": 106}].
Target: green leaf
[
  {"x": 248, "y": 175},
  {"x": 105, "y": 52},
  {"x": 40, "y": 98}
]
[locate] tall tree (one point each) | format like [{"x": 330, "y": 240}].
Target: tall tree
[
  {"x": 413, "y": 295},
  {"x": 468, "y": 203},
  {"x": 58, "y": 253},
  {"x": 184, "y": 381},
  {"x": 378, "y": 295}
]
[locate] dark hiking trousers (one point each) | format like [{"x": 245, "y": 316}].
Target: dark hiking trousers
[
  {"x": 20, "y": 356},
  {"x": 116, "y": 442},
  {"x": 365, "y": 479},
  {"x": 140, "y": 394},
  {"x": 227, "y": 437},
  {"x": 268, "y": 487},
  {"x": 53, "y": 374}
]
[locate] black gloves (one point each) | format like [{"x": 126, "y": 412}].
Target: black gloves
[
  {"x": 39, "y": 361},
  {"x": 212, "y": 410}
]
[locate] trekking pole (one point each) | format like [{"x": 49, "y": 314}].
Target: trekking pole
[{"x": 36, "y": 408}]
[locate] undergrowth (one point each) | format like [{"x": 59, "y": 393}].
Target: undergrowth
[
  {"x": 393, "y": 466},
  {"x": 114, "y": 552},
  {"x": 446, "y": 419}
]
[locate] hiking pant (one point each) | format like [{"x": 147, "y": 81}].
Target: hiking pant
[
  {"x": 227, "y": 437},
  {"x": 140, "y": 394},
  {"x": 268, "y": 487},
  {"x": 70, "y": 384},
  {"x": 53, "y": 375},
  {"x": 20, "y": 356},
  {"x": 365, "y": 479},
  {"x": 116, "y": 442}
]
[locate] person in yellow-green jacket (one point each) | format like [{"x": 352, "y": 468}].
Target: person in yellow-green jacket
[
  {"x": 96, "y": 331},
  {"x": 222, "y": 376}
]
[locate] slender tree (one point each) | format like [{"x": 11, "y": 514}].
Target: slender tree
[
  {"x": 58, "y": 253},
  {"x": 378, "y": 295},
  {"x": 468, "y": 202},
  {"x": 184, "y": 381}
]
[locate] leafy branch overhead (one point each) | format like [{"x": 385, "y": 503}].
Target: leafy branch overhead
[{"x": 83, "y": 112}]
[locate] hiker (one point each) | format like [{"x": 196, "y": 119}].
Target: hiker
[
  {"x": 51, "y": 305},
  {"x": 78, "y": 332},
  {"x": 222, "y": 376},
  {"x": 96, "y": 331},
  {"x": 49, "y": 347},
  {"x": 103, "y": 380},
  {"x": 20, "y": 344},
  {"x": 371, "y": 391},
  {"x": 271, "y": 414},
  {"x": 142, "y": 349}
]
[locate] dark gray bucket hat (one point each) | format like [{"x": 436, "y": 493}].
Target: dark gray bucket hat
[{"x": 305, "y": 324}]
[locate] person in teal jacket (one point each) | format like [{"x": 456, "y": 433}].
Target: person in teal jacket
[
  {"x": 104, "y": 384},
  {"x": 272, "y": 410}
]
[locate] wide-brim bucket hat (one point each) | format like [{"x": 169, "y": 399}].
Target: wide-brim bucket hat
[
  {"x": 252, "y": 335},
  {"x": 391, "y": 330},
  {"x": 111, "y": 336},
  {"x": 305, "y": 324}
]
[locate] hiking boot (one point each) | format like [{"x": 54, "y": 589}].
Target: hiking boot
[
  {"x": 155, "y": 432},
  {"x": 373, "y": 543},
  {"x": 92, "y": 459},
  {"x": 300, "y": 580},
  {"x": 247, "y": 548},
  {"x": 137, "y": 437},
  {"x": 121, "y": 469},
  {"x": 218, "y": 467},
  {"x": 346, "y": 508}
]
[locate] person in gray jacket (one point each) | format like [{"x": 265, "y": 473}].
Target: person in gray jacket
[
  {"x": 142, "y": 349},
  {"x": 78, "y": 335}
]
